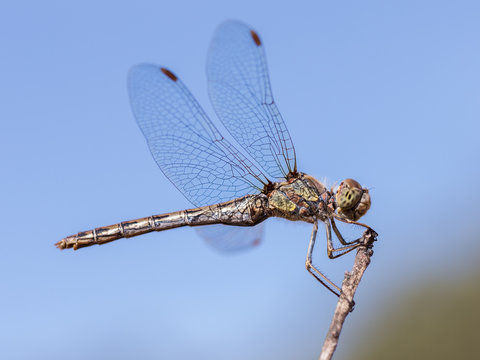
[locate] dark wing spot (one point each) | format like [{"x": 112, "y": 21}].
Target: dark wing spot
[
  {"x": 256, "y": 242},
  {"x": 169, "y": 74},
  {"x": 255, "y": 38}
]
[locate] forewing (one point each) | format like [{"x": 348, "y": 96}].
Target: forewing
[
  {"x": 226, "y": 238},
  {"x": 240, "y": 92},
  {"x": 186, "y": 145}
]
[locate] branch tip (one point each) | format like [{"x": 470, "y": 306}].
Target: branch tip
[{"x": 345, "y": 303}]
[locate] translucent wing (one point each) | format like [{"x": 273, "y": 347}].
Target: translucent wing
[
  {"x": 240, "y": 92},
  {"x": 226, "y": 238},
  {"x": 186, "y": 145}
]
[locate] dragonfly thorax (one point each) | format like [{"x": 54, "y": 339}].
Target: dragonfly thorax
[{"x": 299, "y": 198}]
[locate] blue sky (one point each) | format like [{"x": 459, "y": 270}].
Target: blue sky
[{"x": 386, "y": 93}]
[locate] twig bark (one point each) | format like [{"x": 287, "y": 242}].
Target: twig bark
[{"x": 345, "y": 301}]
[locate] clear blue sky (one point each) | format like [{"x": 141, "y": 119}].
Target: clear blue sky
[{"x": 387, "y": 93}]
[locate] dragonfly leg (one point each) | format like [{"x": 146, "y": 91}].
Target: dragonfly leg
[
  {"x": 336, "y": 253},
  {"x": 340, "y": 237},
  {"x": 333, "y": 252},
  {"x": 348, "y": 221},
  {"x": 317, "y": 274}
]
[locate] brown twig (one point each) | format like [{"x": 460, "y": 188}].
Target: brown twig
[{"x": 345, "y": 301}]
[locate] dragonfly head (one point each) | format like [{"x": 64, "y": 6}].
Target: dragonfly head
[{"x": 353, "y": 201}]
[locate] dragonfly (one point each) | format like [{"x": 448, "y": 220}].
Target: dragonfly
[{"x": 228, "y": 186}]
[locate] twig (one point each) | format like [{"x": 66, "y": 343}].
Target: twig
[{"x": 345, "y": 301}]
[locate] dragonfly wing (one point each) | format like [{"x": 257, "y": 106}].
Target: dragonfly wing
[
  {"x": 226, "y": 238},
  {"x": 239, "y": 89},
  {"x": 186, "y": 145}
]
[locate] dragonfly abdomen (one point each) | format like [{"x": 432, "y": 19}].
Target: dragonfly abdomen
[
  {"x": 246, "y": 211},
  {"x": 125, "y": 229}
]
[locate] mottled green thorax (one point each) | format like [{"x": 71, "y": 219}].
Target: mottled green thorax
[{"x": 298, "y": 198}]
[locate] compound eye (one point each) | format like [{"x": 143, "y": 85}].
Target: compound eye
[
  {"x": 348, "y": 198},
  {"x": 348, "y": 194}
]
